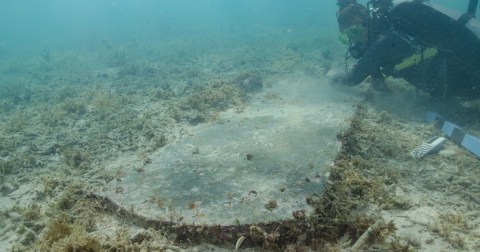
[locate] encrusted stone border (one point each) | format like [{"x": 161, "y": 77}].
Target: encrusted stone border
[{"x": 332, "y": 219}]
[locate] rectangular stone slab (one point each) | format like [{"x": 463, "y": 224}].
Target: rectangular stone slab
[{"x": 255, "y": 166}]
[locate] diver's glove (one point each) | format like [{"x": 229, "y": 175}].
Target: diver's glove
[
  {"x": 340, "y": 78},
  {"x": 356, "y": 51},
  {"x": 378, "y": 84}
]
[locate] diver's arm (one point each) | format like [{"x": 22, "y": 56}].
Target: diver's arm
[
  {"x": 367, "y": 65},
  {"x": 382, "y": 52}
]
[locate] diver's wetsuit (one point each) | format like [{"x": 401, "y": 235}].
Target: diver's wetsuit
[{"x": 453, "y": 70}]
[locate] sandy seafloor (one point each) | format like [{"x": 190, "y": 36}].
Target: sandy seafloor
[{"x": 66, "y": 115}]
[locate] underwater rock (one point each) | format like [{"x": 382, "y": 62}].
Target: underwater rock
[
  {"x": 447, "y": 153},
  {"x": 14, "y": 216},
  {"x": 7, "y": 188},
  {"x": 28, "y": 238},
  {"x": 249, "y": 82},
  {"x": 271, "y": 204}
]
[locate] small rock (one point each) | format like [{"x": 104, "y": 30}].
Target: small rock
[
  {"x": 196, "y": 150},
  {"x": 14, "y": 216},
  {"x": 447, "y": 153},
  {"x": 140, "y": 236},
  {"x": 7, "y": 188},
  {"x": 193, "y": 149},
  {"x": 271, "y": 204},
  {"x": 28, "y": 238}
]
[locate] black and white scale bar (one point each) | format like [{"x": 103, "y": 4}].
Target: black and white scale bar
[{"x": 455, "y": 133}]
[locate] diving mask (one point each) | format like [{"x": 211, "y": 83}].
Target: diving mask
[{"x": 356, "y": 33}]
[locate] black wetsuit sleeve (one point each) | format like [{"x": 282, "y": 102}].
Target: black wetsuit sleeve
[{"x": 385, "y": 52}]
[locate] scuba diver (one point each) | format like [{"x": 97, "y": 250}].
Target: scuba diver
[{"x": 431, "y": 47}]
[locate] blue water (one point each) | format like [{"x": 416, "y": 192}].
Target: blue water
[
  {"x": 36, "y": 24},
  {"x": 458, "y": 5},
  {"x": 39, "y": 24}
]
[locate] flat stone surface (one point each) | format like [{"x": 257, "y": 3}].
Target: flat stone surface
[{"x": 276, "y": 150}]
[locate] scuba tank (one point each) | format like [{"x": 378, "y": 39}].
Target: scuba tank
[
  {"x": 379, "y": 12},
  {"x": 472, "y": 7}
]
